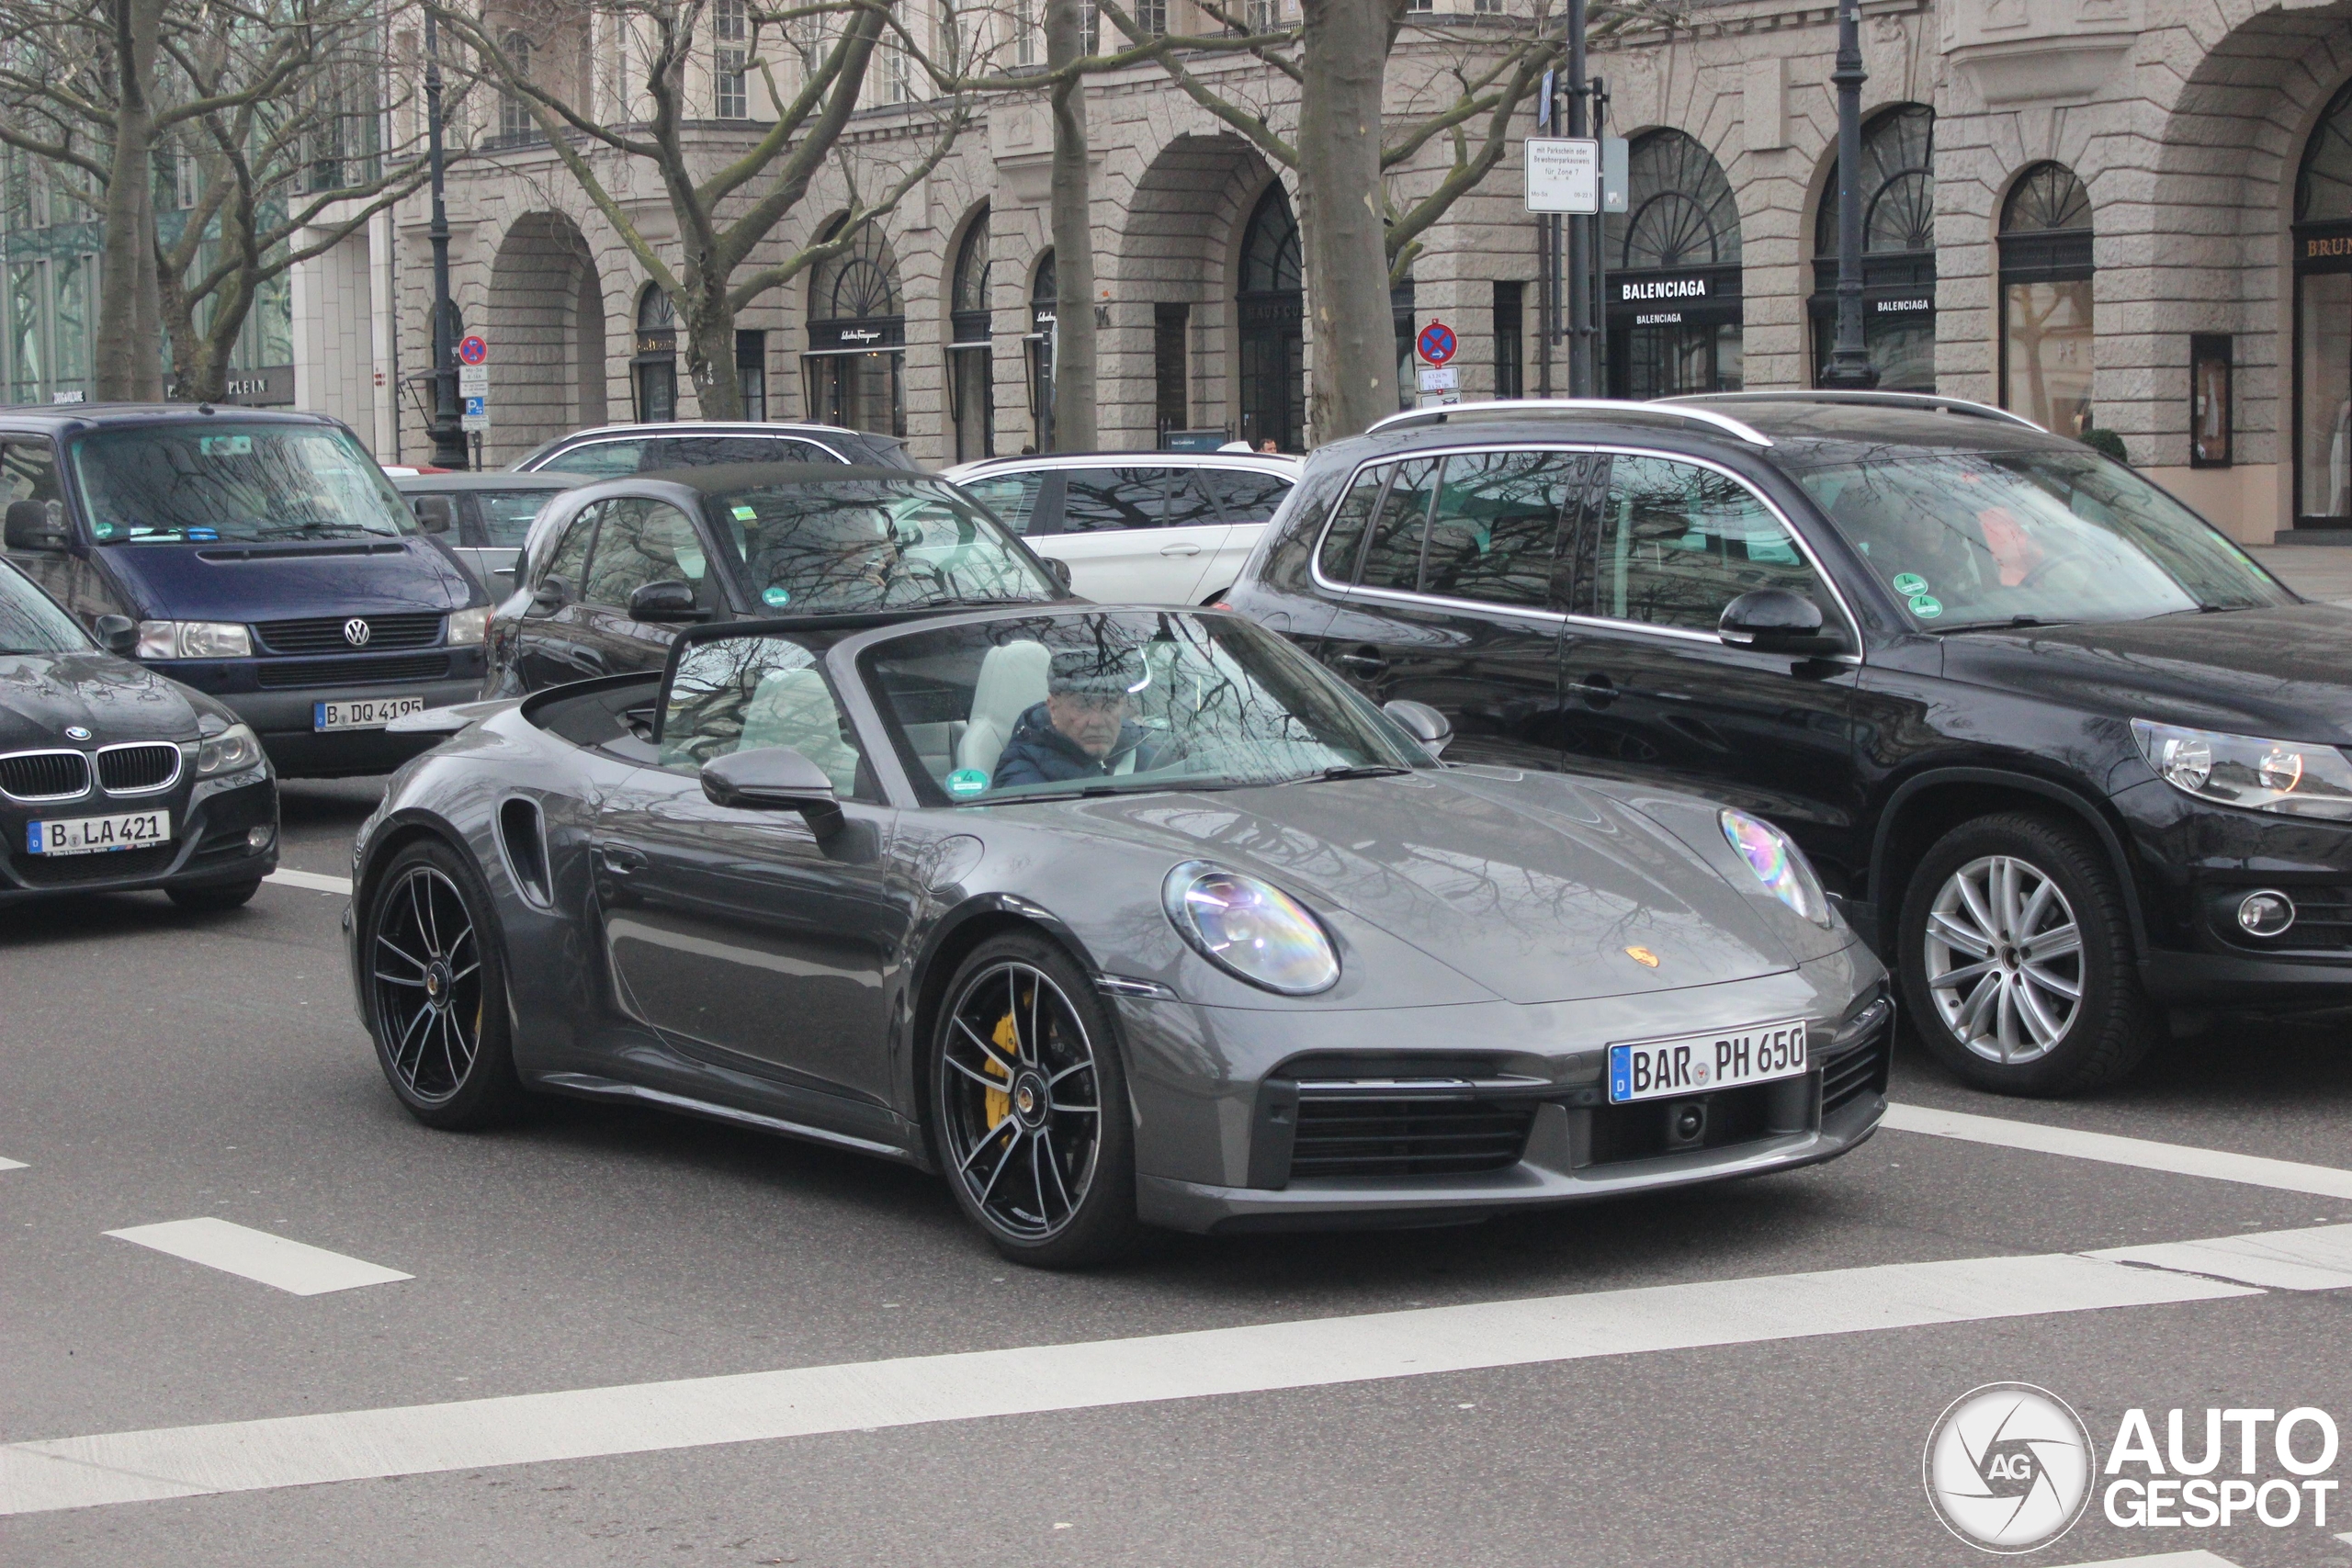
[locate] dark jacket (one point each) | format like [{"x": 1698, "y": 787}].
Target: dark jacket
[{"x": 1038, "y": 753}]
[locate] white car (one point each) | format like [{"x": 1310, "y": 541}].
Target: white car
[{"x": 1137, "y": 528}]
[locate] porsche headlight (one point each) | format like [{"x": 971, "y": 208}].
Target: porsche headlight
[
  {"x": 194, "y": 639},
  {"x": 1250, "y": 929},
  {"x": 469, "y": 628},
  {"x": 233, "y": 749},
  {"x": 2291, "y": 777},
  {"x": 1778, "y": 864}
]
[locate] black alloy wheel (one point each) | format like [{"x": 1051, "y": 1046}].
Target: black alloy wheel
[
  {"x": 436, "y": 987},
  {"x": 2016, "y": 961},
  {"x": 1030, "y": 1107}
]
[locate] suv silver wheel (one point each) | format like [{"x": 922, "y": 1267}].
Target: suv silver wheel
[{"x": 2003, "y": 959}]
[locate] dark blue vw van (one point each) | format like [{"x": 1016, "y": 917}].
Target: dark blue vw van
[{"x": 261, "y": 558}]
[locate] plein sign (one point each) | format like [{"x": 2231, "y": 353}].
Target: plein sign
[{"x": 1563, "y": 175}]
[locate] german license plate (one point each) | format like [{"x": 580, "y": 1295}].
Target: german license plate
[
  {"x": 1700, "y": 1064},
  {"x": 363, "y": 713},
  {"x": 96, "y": 835}
]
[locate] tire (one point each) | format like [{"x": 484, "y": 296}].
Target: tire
[
  {"x": 434, "y": 978},
  {"x": 1048, "y": 1176},
  {"x": 1994, "y": 1008},
  {"x": 215, "y": 899}
]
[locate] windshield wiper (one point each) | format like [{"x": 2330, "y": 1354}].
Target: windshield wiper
[
  {"x": 311, "y": 527},
  {"x": 2013, "y": 621},
  {"x": 1351, "y": 771}
]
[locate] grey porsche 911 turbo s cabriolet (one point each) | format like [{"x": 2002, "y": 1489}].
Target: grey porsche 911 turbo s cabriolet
[{"x": 1113, "y": 916}]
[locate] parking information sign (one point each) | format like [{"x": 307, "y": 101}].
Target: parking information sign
[
  {"x": 1563, "y": 175},
  {"x": 473, "y": 381}
]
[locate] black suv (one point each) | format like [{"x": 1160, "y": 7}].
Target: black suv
[{"x": 2064, "y": 752}]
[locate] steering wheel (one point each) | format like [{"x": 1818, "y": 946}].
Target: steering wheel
[{"x": 2047, "y": 572}]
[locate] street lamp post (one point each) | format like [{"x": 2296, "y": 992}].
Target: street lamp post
[
  {"x": 1849, "y": 363},
  {"x": 447, "y": 433},
  {"x": 1580, "y": 236}
]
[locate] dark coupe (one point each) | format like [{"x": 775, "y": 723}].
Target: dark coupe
[
  {"x": 113, "y": 777},
  {"x": 1111, "y": 916}
]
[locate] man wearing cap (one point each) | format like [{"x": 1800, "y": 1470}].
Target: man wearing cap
[{"x": 1084, "y": 728}]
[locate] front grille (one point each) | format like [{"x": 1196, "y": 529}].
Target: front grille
[
  {"x": 107, "y": 866},
  {"x": 45, "y": 775},
  {"x": 1640, "y": 1131},
  {"x": 275, "y": 676},
  {"x": 125, "y": 768},
  {"x": 1846, "y": 1079},
  {"x": 327, "y": 634},
  {"x": 1408, "y": 1136}
]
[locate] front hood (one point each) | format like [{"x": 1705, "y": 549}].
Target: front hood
[
  {"x": 112, "y": 698},
  {"x": 2285, "y": 673},
  {"x": 1533, "y": 886},
  {"x": 265, "y": 583}
]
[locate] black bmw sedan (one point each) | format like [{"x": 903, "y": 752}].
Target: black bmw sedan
[
  {"x": 113, "y": 777},
  {"x": 2065, "y": 754}
]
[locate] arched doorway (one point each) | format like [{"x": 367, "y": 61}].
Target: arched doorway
[
  {"x": 545, "y": 322},
  {"x": 1898, "y": 194},
  {"x": 971, "y": 371},
  {"x": 2046, "y": 300},
  {"x": 2324, "y": 321},
  {"x": 1272, "y": 317},
  {"x": 1674, "y": 278},
  {"x": 653, "y": 370},
  {"x": 857, "y": 337}
]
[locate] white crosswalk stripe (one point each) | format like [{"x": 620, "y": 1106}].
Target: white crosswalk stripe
[
  {"x": 124, "y": 1467},
  {"x": 290, "y": 1266},
  {"x": 2162, "y": 1560},
  {"x": 12, "y": 1164},
  {"x": 286, "y": 876},
  {"x": 2180, "y": 1160}
]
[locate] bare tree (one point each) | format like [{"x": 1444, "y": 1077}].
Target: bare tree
[
  {"x": 1073, "y": 229},
  {"x": 727, "y": 192}
]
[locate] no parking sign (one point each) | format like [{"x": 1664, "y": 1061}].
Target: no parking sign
[{"x": 1436, "y": 342}]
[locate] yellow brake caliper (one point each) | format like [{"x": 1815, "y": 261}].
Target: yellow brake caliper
[{"x": 998, "y": 1103}]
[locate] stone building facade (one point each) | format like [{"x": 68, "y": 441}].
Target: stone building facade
[{"x": 2133, "y": 215}]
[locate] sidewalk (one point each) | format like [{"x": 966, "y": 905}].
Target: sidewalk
[{"x": 2315, "y": 571}]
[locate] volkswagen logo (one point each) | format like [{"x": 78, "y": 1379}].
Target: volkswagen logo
[
  {"x": 75, "y": 732},
  {"x": 357, "y": 632},
  {"x": 2009, "y": 1467}
]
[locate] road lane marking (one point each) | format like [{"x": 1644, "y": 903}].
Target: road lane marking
[
  {"x": 293, "y": 1266},
  {"x": 300, "y": 1451},
  {"x": 289, "y": 878},
  {"x": 12, "y": 1164},
  {"x": 2317, "y": 1259},
  {"x": 2164, "y": 1559},
  {"x": 2180, "y": 1160}
]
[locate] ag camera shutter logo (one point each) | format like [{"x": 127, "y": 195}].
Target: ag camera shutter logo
[{"x": 2009, "y": 1467}]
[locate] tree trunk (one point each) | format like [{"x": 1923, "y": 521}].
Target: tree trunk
[
  {"x": 1344, "y": 54},
  {"x": 1073, "y": 229},
  {"x": 709, "y": 322},
  {"x": 128, "y": 361}
]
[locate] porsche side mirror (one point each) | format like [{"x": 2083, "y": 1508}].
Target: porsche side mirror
[
  {"x": 772, "y": 778},
  {"x": 435, "y": 513},
  {"x": 30, "y": 526},
  {"x": 1774, "y": 620},
  {"x": 1423, "y": 723},
  {"x": 658, "y": 602},
  {"x": 118, "y": 635}
]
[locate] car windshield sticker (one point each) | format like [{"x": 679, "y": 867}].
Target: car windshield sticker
[
  {"x": 746, "y": 513},
  {"x": 1910, "y": 584},
  {"x": 968, "y": 781},
  {"x": 103, "y": 530},
  {"x": 776, "y": 595},
  {"x": 1925, "y": 607},
  {"x": 225, "y": 445}
]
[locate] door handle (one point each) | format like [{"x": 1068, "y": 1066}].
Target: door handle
[
  {"x": 1597, "y": 690},
  {"x": 621, "y": 859},
  {"x": 1180, "y": 549}
]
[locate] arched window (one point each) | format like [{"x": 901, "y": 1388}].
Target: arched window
[
  {"x": 2323, "y": 320},
  {"x": 514, "y": 121},
  {"x": 1674, "y": 278},
  {"x": 1898, "y": 187},
  {"x": 857, "y": 336},
  {"x": 655, "y": 367},
  {"x": 1271, "y": 320},
  {"x": 2046, "y": 300},
  {"x": 970, "y": 371},
  {"x": 1045, "y": 294}
]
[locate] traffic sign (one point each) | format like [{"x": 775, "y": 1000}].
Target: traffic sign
[
  {"x": 473, "y": 350},
  {"x": 476, "y": 416},
  {"x": 1563, "y": 175},
  {"x": 1436, "y": 342},
  {"x": 473, "y": 380}
]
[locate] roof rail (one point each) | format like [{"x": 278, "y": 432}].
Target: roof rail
[
  {"x": 1884, "y": 400},
  {"x": 1504, "y": 407}
]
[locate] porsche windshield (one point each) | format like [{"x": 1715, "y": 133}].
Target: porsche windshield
[
  {"x": 222, "y": 479},
  {"x": 2001, "y": 538},
  {"x": 1112, "y": 701},
  {"x": 849, "y": 544},
  {"x": 30, "y": 621}
]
